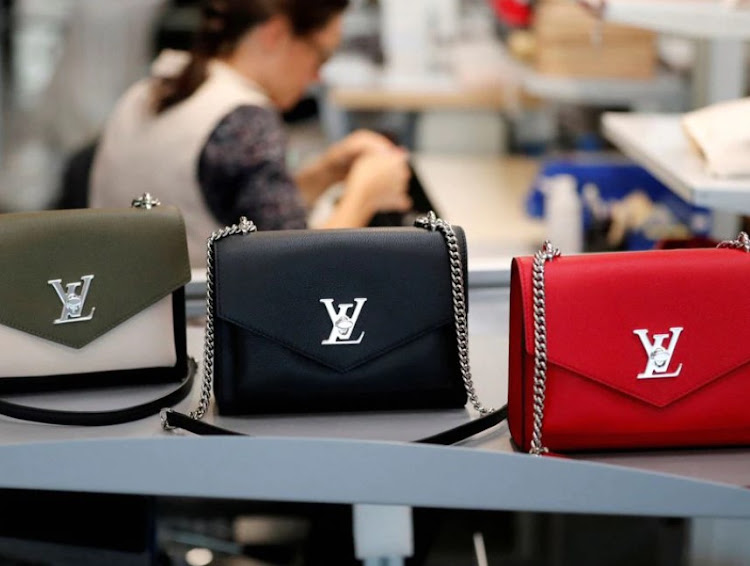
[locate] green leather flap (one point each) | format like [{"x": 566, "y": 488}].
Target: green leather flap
[{"x": 70, "y": 276}]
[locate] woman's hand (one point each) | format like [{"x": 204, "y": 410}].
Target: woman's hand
[
  {"x": 379, "y": 182},
  {"x": 336, "y": 163},
  {"x": 341, "y": 156}
]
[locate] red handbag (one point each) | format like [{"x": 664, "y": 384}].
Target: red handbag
[{"x": 630, "y": 350}]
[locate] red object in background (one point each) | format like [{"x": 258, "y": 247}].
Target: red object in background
[
  {"x": 514, "y": 13},
  {"x": 694, "y": 242}
]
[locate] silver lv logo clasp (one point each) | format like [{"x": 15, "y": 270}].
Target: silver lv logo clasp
[
  {"x": 343, "y": 324},
  {"x": 72, "y": 301},
  {"x": 659, "y": 357}
]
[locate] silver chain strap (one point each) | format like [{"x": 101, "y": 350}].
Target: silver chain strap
[
  {"x": 430, "y": 222},
  {"x": 244, "y": 227},
  {"x": 545, "y": 254},
  {"x": 433, "y": 223}
]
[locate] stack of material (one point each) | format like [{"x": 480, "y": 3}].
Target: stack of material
[
  {"x": 571, "y": 41},
  {"x": 720, "y": 134}
]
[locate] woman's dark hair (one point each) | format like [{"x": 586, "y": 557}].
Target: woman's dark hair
[{"x": 225, "y": 22}]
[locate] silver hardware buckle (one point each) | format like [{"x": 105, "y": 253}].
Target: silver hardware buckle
[
  {"x": 146, "y": 200},
  {"x": 429, "y": 222}
]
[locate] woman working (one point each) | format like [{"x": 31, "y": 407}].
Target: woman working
[{"x": 204, "y": 131}]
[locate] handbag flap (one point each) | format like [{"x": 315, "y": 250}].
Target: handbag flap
[
  {"x": 340, "y": 297},
  {"x": 655, "y": 325},
  {"x": 72, "y": 275}
]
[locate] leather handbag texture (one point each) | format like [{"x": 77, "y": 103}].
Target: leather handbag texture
[
  {"x": 335, "y": 320},
  {"x": 630, "y": 350},
  {"x": 92, "y": 298}
]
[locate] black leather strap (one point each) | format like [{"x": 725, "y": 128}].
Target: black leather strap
[
  {"x": 102, "y": 418},
  {"x": 467, "y": 430},
  {"x": 173, "y": 419}
]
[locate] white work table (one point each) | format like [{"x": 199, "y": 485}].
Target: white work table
[
  {"x": 658, "y": 142},
  {"x": 485, "y": 196}
]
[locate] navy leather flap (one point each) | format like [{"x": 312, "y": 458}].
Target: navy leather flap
[{"x": 341, "y": 297}]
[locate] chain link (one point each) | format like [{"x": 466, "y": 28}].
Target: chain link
[
  {"x": 741, "y": 243},
  {"x": 244, "y": 227},
  {"x": 433, "y": 223},
  {"x": 545, "y": 254}
]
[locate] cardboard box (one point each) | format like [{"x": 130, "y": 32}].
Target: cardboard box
[{"x": 571, "y": 41}]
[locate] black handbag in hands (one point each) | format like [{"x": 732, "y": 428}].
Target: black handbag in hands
[{"x": 336, "y": 320}]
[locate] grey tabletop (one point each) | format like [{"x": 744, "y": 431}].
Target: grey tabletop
[{"x": 367, "y": 458}]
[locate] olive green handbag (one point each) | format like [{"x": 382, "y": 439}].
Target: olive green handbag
[{"x": 93, "y": 298}]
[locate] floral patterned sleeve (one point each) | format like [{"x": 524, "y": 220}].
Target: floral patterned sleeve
[{"x": 242, "y": 172}]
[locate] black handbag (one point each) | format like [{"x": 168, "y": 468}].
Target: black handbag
[
  {"x": 93, "y": 298},
  {"x": 311, "y": 321},
  {"x": 421, "y": 205}
]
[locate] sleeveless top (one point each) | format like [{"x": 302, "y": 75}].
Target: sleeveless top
[{"x": 140, "y": 151}]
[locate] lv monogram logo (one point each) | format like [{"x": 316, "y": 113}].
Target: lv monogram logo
[
  {"x": 343, "y": 324},
  {"x": 658, "y": 356},
  {"x": 72, "y": 301}
]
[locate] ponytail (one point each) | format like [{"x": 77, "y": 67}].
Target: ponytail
[
  {"x": 224, "y": 23},
  {"x": 169, "y": 91}
]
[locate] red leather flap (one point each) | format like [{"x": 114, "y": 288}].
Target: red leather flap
[{"x": 655, "y": 325}]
